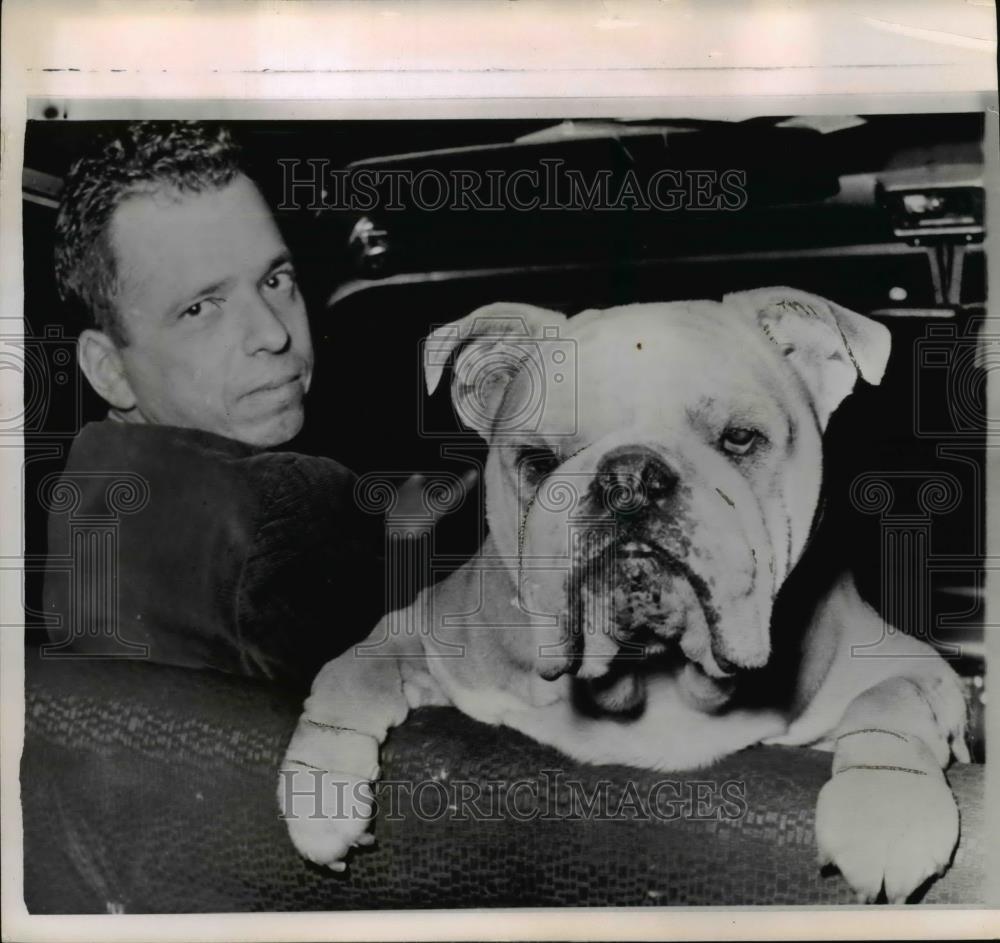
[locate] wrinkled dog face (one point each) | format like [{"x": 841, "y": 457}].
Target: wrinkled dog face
[{"x": 654, "y": 469}]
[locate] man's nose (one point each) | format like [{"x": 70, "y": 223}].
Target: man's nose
[
  {"x": 265, "y": 328},
  {"x": 634, "y": 477}
]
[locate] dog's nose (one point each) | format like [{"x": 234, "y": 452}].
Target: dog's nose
[{"x": 633, "y": 477}]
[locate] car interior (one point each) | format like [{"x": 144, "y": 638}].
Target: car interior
[
  {"x": 883, "y": 214},
  {"x": 880, "y": 213}
]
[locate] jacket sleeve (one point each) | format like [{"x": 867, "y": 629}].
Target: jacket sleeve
[{"x": 312, "y": 582}]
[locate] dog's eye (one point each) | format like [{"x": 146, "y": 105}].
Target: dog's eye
[
  {"x": 738, "y": 441},
  {"x": 536, "y": 462}
]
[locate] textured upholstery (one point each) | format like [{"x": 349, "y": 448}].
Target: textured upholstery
[{"x": 152, "y": 789}]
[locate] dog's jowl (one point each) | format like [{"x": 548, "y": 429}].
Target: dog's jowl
[{"x": 650, "y": 492}]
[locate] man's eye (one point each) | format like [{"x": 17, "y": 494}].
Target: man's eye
[
  {"x": 280, "y": 281},
  {"x": 738, "y": 441},
  {"x": 201, "y": 307},
  {"x": 537, "y": 462}
]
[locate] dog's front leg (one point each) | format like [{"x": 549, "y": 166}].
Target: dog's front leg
[
  {"x": 887, "y": 815},
  {"x": 326, "y": 784}
]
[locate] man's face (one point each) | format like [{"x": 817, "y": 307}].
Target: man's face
[{"x": 217, "y": 334}]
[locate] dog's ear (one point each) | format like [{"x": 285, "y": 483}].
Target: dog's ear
[
  {"x": 827, "y": 345},
  {"x": 493, "y": 343}
]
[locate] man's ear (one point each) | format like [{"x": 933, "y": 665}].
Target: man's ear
[
  {"x": 101, "y": 363},
  {"x": 827, "y": 345},
  {"x": 494, "y": 343}
]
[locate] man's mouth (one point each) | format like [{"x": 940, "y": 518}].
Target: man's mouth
[{"x": 276, "y": 386}]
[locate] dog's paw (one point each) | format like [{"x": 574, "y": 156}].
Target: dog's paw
[
  {"x": 327, "y": 814},
  {"x": 890, "y": 828}
]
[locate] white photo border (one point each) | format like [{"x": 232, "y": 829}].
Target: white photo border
[{"x": 320, "y": 60}]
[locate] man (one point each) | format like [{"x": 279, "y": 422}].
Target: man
[{"x": 239, "y": 559}]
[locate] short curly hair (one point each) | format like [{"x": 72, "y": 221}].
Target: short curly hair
[{"x": 144, "y": 157}]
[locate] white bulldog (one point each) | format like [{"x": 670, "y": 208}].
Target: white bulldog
[{"x": 653, "y": 479}]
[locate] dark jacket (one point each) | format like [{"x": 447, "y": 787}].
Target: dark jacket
[{"x": 195, "y": 550}]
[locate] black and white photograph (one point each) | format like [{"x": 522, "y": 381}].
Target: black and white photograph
[
  {"x": 503, "y": 512},
  {"x": 603, "y": 481}
]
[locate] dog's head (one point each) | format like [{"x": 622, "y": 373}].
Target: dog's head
[{"x": 654, "y": 469}]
